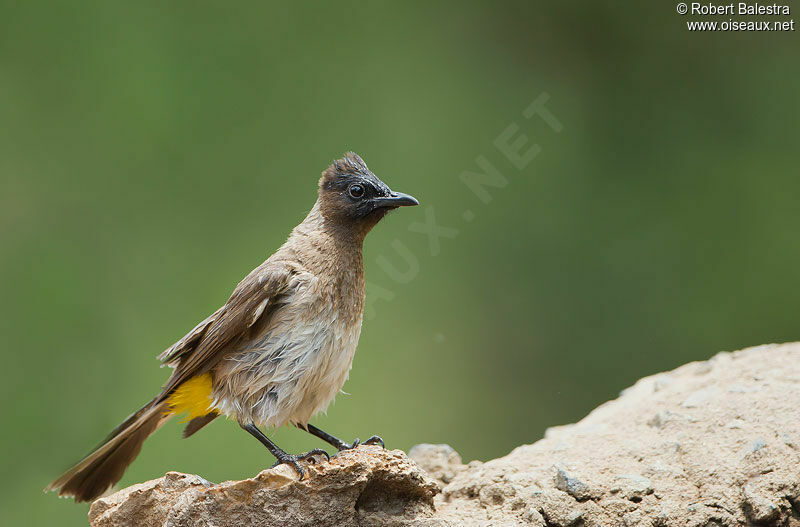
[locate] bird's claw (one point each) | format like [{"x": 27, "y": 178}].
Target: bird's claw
[
  {"x": 351, "y": 446},
  {"x": 308, "y": 457},
  {"x": 374, "y": 440}
]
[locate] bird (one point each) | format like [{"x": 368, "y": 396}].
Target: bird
[{"x": 281, "y": 347}]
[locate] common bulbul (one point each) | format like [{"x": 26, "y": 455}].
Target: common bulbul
[{"x": 281, "y": 347}]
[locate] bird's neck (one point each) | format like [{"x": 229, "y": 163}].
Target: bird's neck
[{"x": 326, "y": 246}]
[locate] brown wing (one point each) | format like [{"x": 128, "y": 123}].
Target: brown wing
[
  {"x": 256, "y": 296},
  {"x": 188, "y": 343}
]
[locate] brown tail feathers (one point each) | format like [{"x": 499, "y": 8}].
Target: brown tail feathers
[
  {"x": 197, "y": 423},
  {"x": 102, "y": 468}
]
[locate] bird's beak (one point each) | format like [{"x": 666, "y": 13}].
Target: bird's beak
[{"x": 396, "y": 199}]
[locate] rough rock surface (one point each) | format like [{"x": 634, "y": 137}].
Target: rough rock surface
[
  {"x": 365, "y": 486},
  {"x": 711, "y": 443}
]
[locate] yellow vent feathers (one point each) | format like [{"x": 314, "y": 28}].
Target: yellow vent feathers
[{"x": 193, "y": 398}]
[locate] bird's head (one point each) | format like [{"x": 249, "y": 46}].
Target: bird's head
[{"x": 353, "y": 197}]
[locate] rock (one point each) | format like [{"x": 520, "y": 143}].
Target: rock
[
  {"x": 662, "y": 454},
  {"x": 677, "y": 449},
  {"x": 365, "y": 486},
  {"x": 759, "y": 508},
  {"x": 441, "y": 462},
  {"x": 756, "y": 445},
  {"x": 559, "y": 509},
  {"x": 699, "y": 397},
  {"x": 633, "y": 487},
  {"x": 570, "y": 484}
]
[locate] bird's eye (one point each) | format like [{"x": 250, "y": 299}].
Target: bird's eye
[{"x": 356, "y": 191}]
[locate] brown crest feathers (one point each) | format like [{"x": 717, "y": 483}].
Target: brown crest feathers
[{"x": 350, "y": 164}]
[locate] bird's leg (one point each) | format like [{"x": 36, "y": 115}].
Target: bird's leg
[
  {"x": 338, "y": 443},
  {"x": 280, "y": 455}
]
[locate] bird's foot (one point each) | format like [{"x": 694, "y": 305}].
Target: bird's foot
[
  {"x": 374, "y": 440},
  {"x": 294, "y": 459}
]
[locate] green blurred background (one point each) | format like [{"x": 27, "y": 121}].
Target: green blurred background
[{"x": 151, "y": 154}]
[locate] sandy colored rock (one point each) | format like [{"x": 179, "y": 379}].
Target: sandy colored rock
[
  {"x": 710, "y": 443},
  {"x": 365, "y": 486},
  {"x": 439, "y": 461}
]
